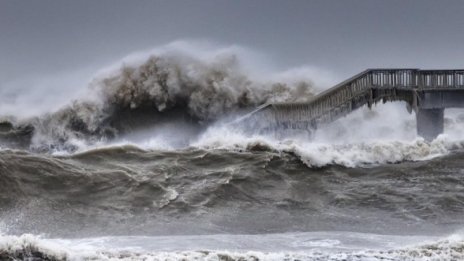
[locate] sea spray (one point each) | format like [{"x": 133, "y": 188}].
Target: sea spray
[{"x": 170, "y": 83}]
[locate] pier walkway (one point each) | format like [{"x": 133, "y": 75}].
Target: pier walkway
[{"x": 426, "y": 92}]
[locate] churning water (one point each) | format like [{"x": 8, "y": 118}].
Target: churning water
[{"x": 144, "y": 166}]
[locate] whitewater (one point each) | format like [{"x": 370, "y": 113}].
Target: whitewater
[{"x": 142, "y": 162}]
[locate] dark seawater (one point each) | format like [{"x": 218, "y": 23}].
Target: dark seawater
[{"x": 177, "y": 199}]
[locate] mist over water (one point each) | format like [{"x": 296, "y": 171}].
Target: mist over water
[
  {"x": 140, "y": 161},
  {"x": 189, "y": 82}
]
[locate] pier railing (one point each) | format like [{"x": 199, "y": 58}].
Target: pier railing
[{"x": 356, "y": 92}]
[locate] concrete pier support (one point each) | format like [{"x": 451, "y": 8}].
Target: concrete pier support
[{"x": 430, "y": 123}]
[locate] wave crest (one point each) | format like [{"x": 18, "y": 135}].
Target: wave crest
[
  {"x": 30, "y": 247},
  {"x": 161, "y": 87}
]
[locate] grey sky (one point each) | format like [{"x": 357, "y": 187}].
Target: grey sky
[{"x": 46, "y": 37}]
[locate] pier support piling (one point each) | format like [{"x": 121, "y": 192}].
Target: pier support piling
[{"x": 430, "y": 123}]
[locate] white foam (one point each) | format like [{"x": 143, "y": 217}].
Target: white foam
[
  {"x": 291, "y": 246},
  {"x": 28, "y": 242},
  {"x": 374, "y": 139},
  {"x": 313, "y": 152},
  {"x": 316, "y": 154}
]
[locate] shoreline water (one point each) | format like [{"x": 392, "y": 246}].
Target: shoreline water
[{"x": 288, "y": 246}]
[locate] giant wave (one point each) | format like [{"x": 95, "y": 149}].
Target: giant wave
[{"x": 163, "y": 86}]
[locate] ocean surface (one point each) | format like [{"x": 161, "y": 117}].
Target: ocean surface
[{"x": 148, "y": 167}]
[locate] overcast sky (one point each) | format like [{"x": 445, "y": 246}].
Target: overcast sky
[{"x": 345, "y": 37}]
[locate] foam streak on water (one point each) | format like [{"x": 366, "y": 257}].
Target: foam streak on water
[{"x": 296, "y": 246}]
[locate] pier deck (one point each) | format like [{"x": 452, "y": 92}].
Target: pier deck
[{"x": 426, "y": 92}]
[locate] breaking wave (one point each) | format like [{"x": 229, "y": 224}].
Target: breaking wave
[
  {"x": 364, "y": 138},
  {"x": 182, "y": 96},
  {"x": 29, "y": 247},
  {"x": 317, "y": 154},
  {"x": 173, "y": 83}
]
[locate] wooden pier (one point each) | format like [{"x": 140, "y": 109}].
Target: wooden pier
[{"x": 427, "y": 93}]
